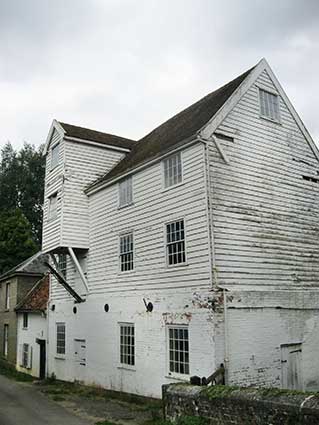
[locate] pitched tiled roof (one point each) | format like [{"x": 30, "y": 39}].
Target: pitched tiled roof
[
  {"x": 36, "y": 300},
  {"x": 177, "y": 130},
  {"x": 33, "y": 265},
  {"x": 96, "y": 136}
]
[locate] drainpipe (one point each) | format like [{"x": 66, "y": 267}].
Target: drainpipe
[{"x": 226, "y": 350}]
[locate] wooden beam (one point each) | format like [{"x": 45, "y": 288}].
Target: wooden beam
[{"x": 64, "y": 283}]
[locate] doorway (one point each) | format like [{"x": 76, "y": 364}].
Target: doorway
[
  {"x": 291, "y": 367},
  {"x": 42, "y": 367},
  {"x": 79, "y": 359}
]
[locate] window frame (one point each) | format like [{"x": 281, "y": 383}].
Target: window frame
[
  {"x": 60, "y": 354},
  {"x": 5, "y": 340},
  {"x": 171, "y": 373},
  {"x": 56, "y": 156},
  {"x": 122, "y": 182},
  {"x": 25, "y": 320},
  {"x": 7, "y": 297},
  {"x": 64, "y": 262},
  {"x": 50, "y": 216},
  {"x": 273, "y": 93},
  {"x": 184, "y": 263},
  {"x": 164, "y": 187},
  {"x": 25, "y": 355},
  {"x": 123, "y": 235},
  {"x": 123, "y": 365}
]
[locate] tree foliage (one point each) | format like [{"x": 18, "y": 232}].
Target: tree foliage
[{"x": 21, "y": 199}]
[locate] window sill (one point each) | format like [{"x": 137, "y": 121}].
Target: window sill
[
  {"x": 24, "y": 329},
  {"x": 176, "y": 377},
  {"x": 121, "y": 207},
  {"x": 263, "y": 117},
  {"x": 59, "y": 357},
  {"x": 172, "y": 266},
  {"x": 165, "y": 189},
  {"x": 127, "y": 367}
]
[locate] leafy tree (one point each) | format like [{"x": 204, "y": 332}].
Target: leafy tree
[
  {"x": 22, "y": 184},
  {"x": 21, "y": 199},
  {"x": 16, "y": 239}
]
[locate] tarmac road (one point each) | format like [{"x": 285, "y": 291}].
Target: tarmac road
[{"x": 20, "y": 404}]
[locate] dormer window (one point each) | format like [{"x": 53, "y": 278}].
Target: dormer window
[
  {"x": 55, "y": 155},
  {"x": 269, "y": 105},
  {"x": 125, "y": 192},
  {"x": 172, "y": 168}
]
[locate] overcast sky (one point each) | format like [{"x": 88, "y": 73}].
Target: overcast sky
[{"x": 125, "y": 66}]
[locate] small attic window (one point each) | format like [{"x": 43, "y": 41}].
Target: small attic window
[
  {"x": 55, "y": 155},
  {"x": 269, "y": 105}
]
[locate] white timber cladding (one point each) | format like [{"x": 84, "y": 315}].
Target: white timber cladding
[
  {"x": 265, "y": 214},
  {"x": 147, "y": 219},
  {"x": 79, "y": 164}
]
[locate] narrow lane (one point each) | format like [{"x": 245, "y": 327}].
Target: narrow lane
[{"x": 20, "y": 404}]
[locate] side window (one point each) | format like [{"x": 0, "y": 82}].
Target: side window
[
  {"x": 178, "y": 349},
  {"x": 55, "y": 155},
  {"x": 269, "y": 105},
  {"x": 126, "y": 192},
  {"x": 53, "y": 207},
  {"x": 175, "y": 243},
  {"x": 126, "y": 252},
  {"x": 127, "y": 344},
  {"x": 60, "y": 338},
  {"x": 25, "y": 320},
  {"x": 62, "y": 263},
  {"x": 7, "y": 302},
  {"x": 172, "y": 168}
]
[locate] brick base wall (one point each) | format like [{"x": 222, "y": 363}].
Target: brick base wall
[{"x": 243, "y": 406}]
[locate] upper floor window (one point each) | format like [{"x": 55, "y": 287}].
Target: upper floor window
[
  {"x": 125, "y": 192},
  {"x": 62, "y": 263},
  {"x": 126, "y": 252},
  {"x": 55, "y": 155},
  {"x": 7, "y": 301},
  {"x": 172, "y": 167},
  {"x": 60, "y": 338},
  {"x": 25, "y": 320},
  {"x": 269, "y": 105},
  {"x": 175, "y": 242},
  {"x": 53, "y": 206}
]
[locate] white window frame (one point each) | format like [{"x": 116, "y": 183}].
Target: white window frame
[
  {"x": 123, "y": 235},
  {"x": 7, "y": 300},
  {"x": 53, "y": 212},
  {"x": 166, "y": 244},
  {"x": 277, "y": 119},
  {"x": 125, "y": 192},
  {"x": 123, "y": 364},
  {"x": 171, "y": 372},
  {"x": 25, "y": 320},
  {"x": 55, "y": 156},
  {"x": 62, "y": 264},
  {"x": 5, "y": 339},
  {"x": 164, "y": 162},
  {"x": 57, "y": 345}
]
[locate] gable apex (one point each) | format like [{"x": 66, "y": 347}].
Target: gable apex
[
  {"x": 55, "y": 126},
  {"x": 209, "y": 128}
]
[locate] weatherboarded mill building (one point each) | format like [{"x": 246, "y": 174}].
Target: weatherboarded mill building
[{"x": 194, "y": 246}]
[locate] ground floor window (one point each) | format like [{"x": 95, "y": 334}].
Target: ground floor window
[
  {"x": 178, "y": 349},
  {"x": 127, "y": 344},
  {"x": 26, "y": 356},
  {"x": 5, "y": 340},
  {"x": 60, "y": 338}
]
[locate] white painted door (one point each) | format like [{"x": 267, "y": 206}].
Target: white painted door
[
  {"x": 79, "y": 359},
  {"x": 291, "y": 369}
]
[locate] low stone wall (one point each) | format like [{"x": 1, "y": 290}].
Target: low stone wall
[{"x": 241, "y": 406}]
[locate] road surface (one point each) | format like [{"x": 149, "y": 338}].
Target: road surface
[{"x": 20, "y": 404}]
